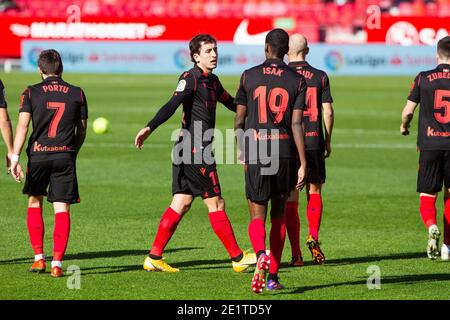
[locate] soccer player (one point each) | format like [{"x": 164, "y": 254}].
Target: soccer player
[
  {"x": 431, "y": 89},
  {"x": 6, "y": 127},
  {"x": 318, "y": 108},
  {"x": 195, "y": 174},
  {"x": 270, "y": 100},
  {"x": 58, "y": 111}
]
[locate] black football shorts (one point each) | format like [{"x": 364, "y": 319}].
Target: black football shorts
[
  {"x": 196, "y": 179},
  {"x": 315, "y": 169},
  {"x": 434, "y": 169},
  {"x": 260, "y": 187},
  {"x": 58, "y": 175}
]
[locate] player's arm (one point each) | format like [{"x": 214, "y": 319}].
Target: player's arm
[
  {"x": 186, "y": 87},
  {"x": 7, "y": 133},
  {"x": 410, "y": 107},
  {"x": 19, "y": 141},
  {"x": 225, "y": 98},
  {"x": 239, "y": 126},
  {"x": 241, "y": 114},
  {"x": 328, "y": 120},
  {"x": 407, "y": 116},
  {"x": 81, "y": 128},
  {"x": 298, "y": 132},
  {"x": 80, "y": 134}
]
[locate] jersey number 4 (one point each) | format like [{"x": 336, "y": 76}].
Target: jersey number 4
[
  {"x": 60, "y": 107},
  {"x": 278, "y": 102},
  {"x": 311, "y": 104}
]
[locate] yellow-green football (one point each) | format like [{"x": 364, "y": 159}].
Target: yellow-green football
[{"x": 100, "y": 125}]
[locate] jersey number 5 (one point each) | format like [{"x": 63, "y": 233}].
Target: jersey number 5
[
  {"x": 278, "y": 101},
  {"x": 440, "y": 103},
  {"x": 60, "y": 107}
]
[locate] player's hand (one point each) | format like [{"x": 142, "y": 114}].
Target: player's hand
[
  {"x": 240, "y": 156},
  {"x": 404, "y": 129},
  {"x": 8, "y": 163},
  {"x": 142, "y": 135},
  {"x": 327, "y": 149},
  {"x": 16, "y": 171},
  {"x": 301, "y": 178}
]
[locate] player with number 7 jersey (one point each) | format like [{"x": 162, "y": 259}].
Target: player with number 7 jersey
[{"x": 58, "y": 112}]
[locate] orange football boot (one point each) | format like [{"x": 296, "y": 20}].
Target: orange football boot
[
  {"x": 57, "y": 272},
  {"x": 38, "y": 266}
]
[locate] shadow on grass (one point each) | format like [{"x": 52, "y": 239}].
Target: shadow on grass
[
  {"x": 356, "y": 260},
  {"x": 184, "y": 265},
  {"x": 404, "y": 279},
  {"x": 99, "y": 254}
]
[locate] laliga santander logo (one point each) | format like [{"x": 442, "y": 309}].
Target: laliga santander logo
[
  {"x": 334, "y": 60},
  {"x": 33, "y": 55},
  {"x": 182, "y": 58},
  {"x": 403, "y": 33}
]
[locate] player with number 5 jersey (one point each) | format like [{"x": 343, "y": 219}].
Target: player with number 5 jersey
[
  {"x": 58, "y": 111},
  {"x": 431, "y": 89}
]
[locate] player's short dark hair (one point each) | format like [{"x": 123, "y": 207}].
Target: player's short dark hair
[
  {"x": 196, "y": 43},
  {"x": 50, "y": 62},
  {"x": 278, "y": 40},
  {"x": 443, "y": 47}
]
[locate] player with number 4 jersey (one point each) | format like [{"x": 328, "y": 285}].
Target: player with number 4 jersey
[
  {"x": 58, "y": 111},
  {"x": 318, "y": 114},
  {"x": 431, "y": 89}
]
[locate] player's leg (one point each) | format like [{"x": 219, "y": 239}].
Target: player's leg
[
  {"x": 37, "y": 180},
  {"x": 293, "y": 228},
  {"x": 314, "y": 215},
  {"x": 180, "y": 205},
  {"x": 62, "y": 192},
  {"x": 61, "y": 234},
  {"x": 445, "y": 249},
  {"x": 222, "y": 227},
  {"x": 429, "y": 183},
  {"x": 257, "y": 233},
  {"x": 277, "y": 239},
  {"x": 36, "y": 229}
]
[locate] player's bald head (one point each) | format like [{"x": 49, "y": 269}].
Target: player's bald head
[{"x": 298, "y": 44}]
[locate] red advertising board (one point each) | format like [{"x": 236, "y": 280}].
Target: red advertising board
[
  {"x": 240, "y": 31},
  {"x": 410, "y": 30}
]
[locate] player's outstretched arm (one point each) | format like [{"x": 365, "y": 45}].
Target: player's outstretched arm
[
  {"x": 407, "y": 116},
  {"x": 7, "y": 134},
  {"x": 239, "y": 126},
  {"x": 80, "y": 134},
  {"x": 19, "y": 141},
  {"x": 298, "y": 134},
  {"x": 328, "y": 119}
]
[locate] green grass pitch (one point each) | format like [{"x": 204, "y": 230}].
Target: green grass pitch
[{"x": 370, "y": 215}]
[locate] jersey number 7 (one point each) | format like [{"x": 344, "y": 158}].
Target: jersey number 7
[{"x": 60, "y": 107}]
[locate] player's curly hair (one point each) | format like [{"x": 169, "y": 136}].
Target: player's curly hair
[
  {"x": 196, "y": 43},
  {"x": 278, "y": 40},
  {"x": 443, "y": 47},
  {"x": 50, "y": 62}
]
